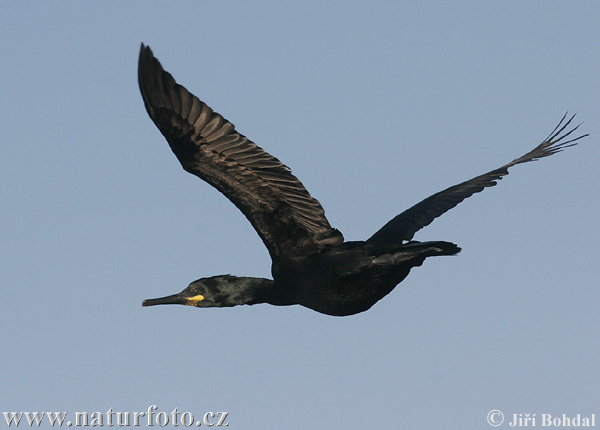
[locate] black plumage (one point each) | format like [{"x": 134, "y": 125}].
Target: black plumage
[{"x": 312, "y": 265}]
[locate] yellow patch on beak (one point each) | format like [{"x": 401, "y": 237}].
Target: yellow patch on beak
[{"x": 193, "y": 301}]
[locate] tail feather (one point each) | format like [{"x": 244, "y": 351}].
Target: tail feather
[{"x": 419, "y": 250}]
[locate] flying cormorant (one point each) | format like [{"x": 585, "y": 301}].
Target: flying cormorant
[{"x": 311, "y": 264}]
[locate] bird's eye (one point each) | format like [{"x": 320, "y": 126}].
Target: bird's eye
[{"x": 197, "y": 291}]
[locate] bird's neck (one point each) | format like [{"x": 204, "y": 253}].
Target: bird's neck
[{"x": 252, "y": 291}]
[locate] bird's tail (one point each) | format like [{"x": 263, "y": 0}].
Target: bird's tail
[
  {"x": 412, "y": 250},
  {"x": 436, "y": 247}
]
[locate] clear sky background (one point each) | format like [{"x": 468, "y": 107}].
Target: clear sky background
[{"x": 375, "y": 106}]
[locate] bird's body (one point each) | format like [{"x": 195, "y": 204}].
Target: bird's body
[
  {"x": 352, "y": 277},
  {"x": 311, "y": 264}
]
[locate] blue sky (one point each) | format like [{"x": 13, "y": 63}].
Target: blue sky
[{"x": 375, "y": 106}]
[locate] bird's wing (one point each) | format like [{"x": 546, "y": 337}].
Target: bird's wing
[
  {"x": 404, "y": 226},
  {"x": 286, "y": 217}
]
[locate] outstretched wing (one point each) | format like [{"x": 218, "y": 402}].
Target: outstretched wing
[
  {"x": 404, "y": 226},
  {"x": 286, "y": 217}
]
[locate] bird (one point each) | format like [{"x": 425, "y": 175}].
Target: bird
[{"x": 312, "y": 265}]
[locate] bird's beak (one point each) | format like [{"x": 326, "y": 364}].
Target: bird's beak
[{"x": 175, "y": 299}]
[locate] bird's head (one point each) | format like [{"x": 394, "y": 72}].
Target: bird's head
[{"x": 216, "y": 291}]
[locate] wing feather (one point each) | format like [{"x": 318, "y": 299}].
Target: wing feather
[
  {"x": 405, "y": 225},
  {"x": 286, "y": 217}
]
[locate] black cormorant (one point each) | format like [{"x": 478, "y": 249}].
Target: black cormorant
[{"x": 312, "y": 265}]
